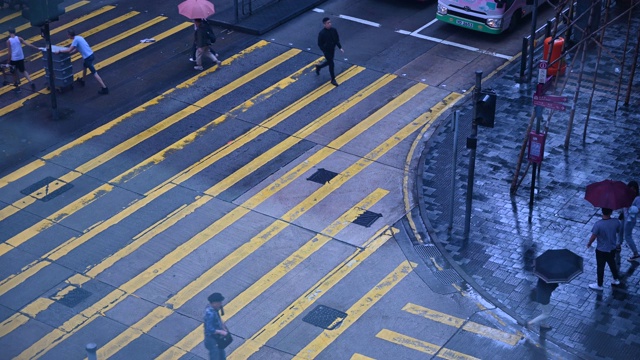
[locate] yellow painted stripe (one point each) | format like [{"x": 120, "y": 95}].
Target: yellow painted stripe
[
  {"x": 56, "y": 29},
  {"x": 77, "y": 56},
  {"x": 422, "y": 346},
  {"x": 80, "y": 203},
  {"x": 110, "y": 300},
  {"x": 10, "y": 17},
  {"x": 357, "y": 356},
  {"x": 25, "y": 170},
  {"x": 19, "y": 319},
  {"x": 479, "y": 329},
  {"x": 297, "y": 136},
  {"x": 133, "y": 332},
  {"x": 491, "y": 333},
  {"x": 434, "y": 315},
  {"x": 322, "y": 341},
  {"x": 73, "y": 243},
  {"x": 52, "y": 339},
  {"x": 95, "y": 30},
  {"x": 262, "y": 128},
  {"x": 14, "y": 280},
  {"x": 258, "y": 287},
  {"x": 279, "y": 322},
  {"x": 28, "y": 25}
]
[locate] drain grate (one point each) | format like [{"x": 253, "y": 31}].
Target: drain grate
[
  {"x": 325, "y": 317},
  {"x": 46, "y": 189},
  {"x": 367, "y": 218},
  {"x": 322, "y": 176},
  {"x": 74, "y": 297}
]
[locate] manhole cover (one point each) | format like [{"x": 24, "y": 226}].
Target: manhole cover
[
  {"x": 322, "y": 176},
  {"x": 367, "y": 218},
  {"x": 325, "y": 317},
  {"x": 46, "y": 189},
  {"x": 74, "y": 297}
]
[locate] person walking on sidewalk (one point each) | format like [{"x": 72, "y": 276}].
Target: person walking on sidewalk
[
  {"x": 79, "y": 44},
  {"x": 16, "y": 58},
  {"x": 328, "y": 39},
  {"x": 629, "y": 218},
  {"x": 214, "y": 326},
  {"x": 203, "y": 44},
  {"x": 604, "y": 231},
  {"x": 543, "y": 296}
]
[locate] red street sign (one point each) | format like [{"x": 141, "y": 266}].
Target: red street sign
[
  {"x": 552, "y": 98},
  {"x": 550, "y": 105}
]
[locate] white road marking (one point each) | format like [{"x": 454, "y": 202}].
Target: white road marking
[
  {"x": 417, "y": 34},
  {"x": 358, "y": 20}
]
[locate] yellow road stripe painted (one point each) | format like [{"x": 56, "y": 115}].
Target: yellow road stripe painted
[
  {"x": 258, "y": 287},
  {"x": 68, "y": 25},
  {"x": 76, "y": 56},
  {"x": 322, "y": 341},
  {"x": 434, "y": 315},
  {"x": 422, "y": 346},
  {"x": 133, "y": 332},
  {"x": 482, "y": 307},
  {"x": 28, "y": 25},
  {"x": 252, "y": 345},
  {"x": 357, "y": 356},
  {"x": 479, "y": 329},
  {"x": 25, "y": 170},
  {"x": 297, "y": 136},
  {"x": 68, "y": 210},
  {"x": 97, "y": 29},
  {"x": 262, "y": 128},
  {"x": 10, "y": 17},
  {"x": 18, "y": 319},
  {"x": 53, "y": 338},
  {"x": 110, "y": 300}
]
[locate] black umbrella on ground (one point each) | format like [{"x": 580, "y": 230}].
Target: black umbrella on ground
[{"x": 558, "y": 266}]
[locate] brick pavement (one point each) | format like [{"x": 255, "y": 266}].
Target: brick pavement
[{"x": 502, "y": 243}]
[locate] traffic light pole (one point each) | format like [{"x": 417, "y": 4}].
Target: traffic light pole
[
  {"x": 52, "y": 83},
  {"x": 472, "y": 143}
]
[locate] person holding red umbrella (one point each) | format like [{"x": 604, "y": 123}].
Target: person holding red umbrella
[
  {"x": 605, "y": 231},
  {"x": 202, "y": 43}
]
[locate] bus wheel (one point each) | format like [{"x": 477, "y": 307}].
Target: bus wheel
[{"x": 515, "y": 20}]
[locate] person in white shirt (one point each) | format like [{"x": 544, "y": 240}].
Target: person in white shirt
[
  {"x": 80, "y": 45},
  {"x": 16, "y": 58}
]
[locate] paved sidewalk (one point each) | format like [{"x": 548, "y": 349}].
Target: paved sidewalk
[{"x": 502, "y": 243}]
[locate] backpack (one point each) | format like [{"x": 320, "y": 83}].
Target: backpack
[{"x": 211, "y": 36}]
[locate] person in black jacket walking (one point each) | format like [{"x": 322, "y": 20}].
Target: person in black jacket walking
[
  {"x": 328, "y": 39},
  {"x": 203, "y": 42}
]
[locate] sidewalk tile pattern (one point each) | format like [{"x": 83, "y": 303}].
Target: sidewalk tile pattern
[{"x": 502, "y": 242}]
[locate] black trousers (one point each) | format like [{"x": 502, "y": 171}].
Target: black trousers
[
  {"x": 328, "y": 55},
  {"x": 603, "y": 258}
]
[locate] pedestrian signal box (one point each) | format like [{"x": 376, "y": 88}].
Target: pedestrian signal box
[
  {"x": 40, "y": 12},
  {"x": 536, "y": 147},
  {"x": 486, "y": 108}
]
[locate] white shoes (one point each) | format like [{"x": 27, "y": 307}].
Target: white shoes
[{"x": 595, "y": 286}]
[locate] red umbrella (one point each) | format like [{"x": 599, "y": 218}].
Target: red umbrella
[
  {"x": 196, "y": 9},
  {"x": 609, "y": 194}
]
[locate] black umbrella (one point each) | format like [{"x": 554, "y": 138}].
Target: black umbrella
[{"x": 558, "y": 266}]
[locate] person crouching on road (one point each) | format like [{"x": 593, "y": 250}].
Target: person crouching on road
[
  {"x": 202, "y": 43},
  {"x": 605, "y": 231},
  {"x": 78, "y": 43}
]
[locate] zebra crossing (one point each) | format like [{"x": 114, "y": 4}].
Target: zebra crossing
[{"x": 205, "y": 187}]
